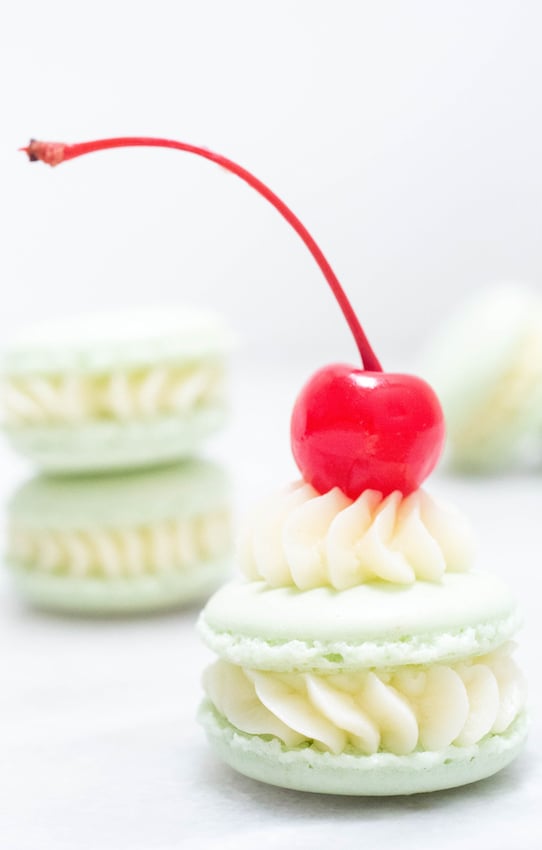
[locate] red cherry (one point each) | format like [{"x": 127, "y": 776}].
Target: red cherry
[{"x": 361, "y": 430}]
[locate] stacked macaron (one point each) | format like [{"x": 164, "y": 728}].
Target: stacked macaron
[
  {"x": 112, "y": 410},
  {"x": 360, "y": 654},
  {"x": 115, "y": 392},
  {"x": 486, "y": 365}
]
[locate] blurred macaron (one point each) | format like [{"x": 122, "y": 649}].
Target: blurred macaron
[
  {"x": 113, "y": 392},
  {"x": 121, "y": 543},
  {"x": 485, "y": 363}
]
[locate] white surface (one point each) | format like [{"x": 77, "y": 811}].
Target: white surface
[{"x": 100, "y": 749}]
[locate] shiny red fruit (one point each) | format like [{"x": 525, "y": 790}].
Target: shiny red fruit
[{"x": 360, "y": 430}]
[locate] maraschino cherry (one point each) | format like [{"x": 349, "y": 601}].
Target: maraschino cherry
[{"x": 351, "y": 428}]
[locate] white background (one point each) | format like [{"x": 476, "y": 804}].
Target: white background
[{"x": 407, "y": 136}]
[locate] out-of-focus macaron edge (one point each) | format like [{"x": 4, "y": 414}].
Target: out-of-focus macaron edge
[
  {"x": 466, "y": 361},
  {"x": 116, "y": 444},
  {"x": 117, "y": 596},
  {"x": 472, "y": 348},
  {"x": 135, "y": 497},
  {"x": 128, "y": 340}
]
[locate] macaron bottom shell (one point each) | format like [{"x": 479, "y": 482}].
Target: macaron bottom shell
[
  {"x": 118, "y": 596},
  {"x": 305, "y": 768},
  {"x": 115, "y": 444}
]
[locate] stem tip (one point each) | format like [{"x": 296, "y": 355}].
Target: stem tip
[{"x": 52, "y": 153}]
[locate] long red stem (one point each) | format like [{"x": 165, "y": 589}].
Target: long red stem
[{"x": 53, "y": 153}]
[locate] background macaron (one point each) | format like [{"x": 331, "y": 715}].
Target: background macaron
[
  {"x": 485, "y": 364},
  {"x": 116, "y": 391},
  {"x": 116, "y": 543}
]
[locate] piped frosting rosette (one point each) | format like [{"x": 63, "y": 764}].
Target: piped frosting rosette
[
  {"x": 299, "y": 537},
  {"x": 360, "y": 631}
]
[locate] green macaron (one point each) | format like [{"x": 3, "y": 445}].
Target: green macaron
[
  {"x": 485, "y": 363},
  {"x": 380, "y": 689},
  {"x": 121, "y": 543},
  {"x": 117, "y": 391}
]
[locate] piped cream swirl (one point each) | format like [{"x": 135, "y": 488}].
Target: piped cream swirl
[
  {"x": 159, "y": 548},
  {"x": 393, "y": 711},
  {"x": 49, "y": 399},
  {"x": 299, "y": 537}
]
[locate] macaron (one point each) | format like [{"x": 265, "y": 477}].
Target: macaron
[
  {"x": 361, "y": 655},
  {"x": 118, "y": 391},
  {"x": 485, "y": 364},
  {"x": 121, "y": 543}
]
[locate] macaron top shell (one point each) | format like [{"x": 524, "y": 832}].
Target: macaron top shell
[
  {"x": 374, "y": 624},
  {"x": 186, "y": 489},
  {"x": 94, "y": 344}
]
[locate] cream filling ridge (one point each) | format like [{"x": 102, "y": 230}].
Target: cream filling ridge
[
  {"x": 121, "y": 552},
  {"x": 398, "y": 711},
  {"x": 43, "y": 400},
  {"x": 299, "y": 537}
]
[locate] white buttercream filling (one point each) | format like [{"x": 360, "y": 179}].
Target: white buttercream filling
[
  {"x": 121, "y": 552},
  {"x": 299, "y": 537},
  {"x": 46, "y": 399},
  {"x": 394, "y": 711}
]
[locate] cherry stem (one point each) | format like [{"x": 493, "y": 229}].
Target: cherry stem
[{"x": 53, "y": 153}]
